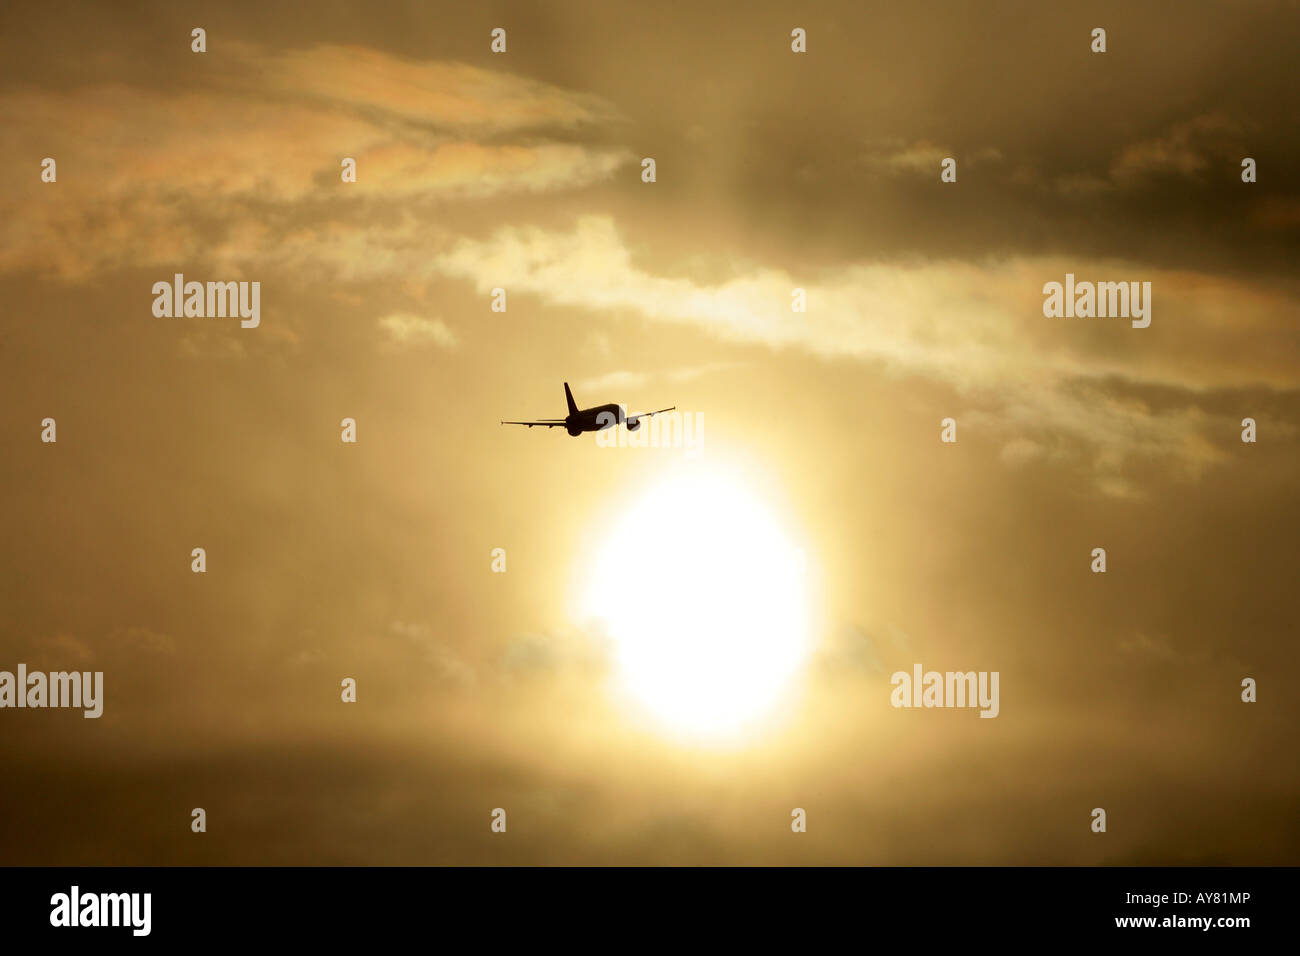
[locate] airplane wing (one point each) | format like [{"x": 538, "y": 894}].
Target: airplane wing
[
  {"x": 641, "y": 415},
  {"x": 547, "y": 423}
]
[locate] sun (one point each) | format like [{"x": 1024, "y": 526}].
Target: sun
[{"x": 702, "y": 595}]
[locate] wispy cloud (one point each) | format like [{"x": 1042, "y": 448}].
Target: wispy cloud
[
  {"x": 403, "y": 329},
  {"x": 923, "y": 156},
  {"x": 978, "y": 327},
  {"x": 1185, "y": 150},
  {"x": 676, "y": 376},
  {"x": 275, "y": 129},
  {"x": 448, "y": 665}
]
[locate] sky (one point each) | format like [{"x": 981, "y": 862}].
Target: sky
[{"x": 774, "y": 170}]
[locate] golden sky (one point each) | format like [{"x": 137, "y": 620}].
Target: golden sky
[{"x": 522, "y": 170}]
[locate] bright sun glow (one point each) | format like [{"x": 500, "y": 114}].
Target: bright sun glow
[{"x": 702, "y": 595}]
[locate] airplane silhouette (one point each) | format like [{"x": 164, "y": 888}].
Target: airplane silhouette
[{"x": 592, "y": 419}]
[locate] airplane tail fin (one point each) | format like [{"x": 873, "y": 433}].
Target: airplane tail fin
[{"x": 568, "y": 397}]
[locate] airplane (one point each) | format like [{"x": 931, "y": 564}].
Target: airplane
[{"x": 592, "y": 419}]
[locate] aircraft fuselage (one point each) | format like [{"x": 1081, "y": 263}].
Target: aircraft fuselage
[{"x": 595, "y": 419}]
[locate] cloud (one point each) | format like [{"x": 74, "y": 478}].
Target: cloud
[
  {"x": 850, "y": 648},
  {"x": 419, "y": 95},
  {"x": 123, "y": 643},
  {"x": 64, "y": 650},
  {"x": 1186, "y": 150},
  {"x": 468, "y": 170},
  {"x": 972, "y": 324},
  {"x": 627, "y": 379},
  {"x": 1020, "y": 451},
  {"x": 1143, "y": 645},
  {"x": 270, "y": 199},
  {"x": 135, "y": 639},
  {"x": 306, "y": 657},
  {"x": 924, "y": 156},
  {"x": 274, "y": 131},
  {"x": 448, "y": 666},
  {"x": 978, "y": 327},
  {"x": 404, "y": 329},
  {"x": 554, "y": 654}
]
